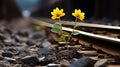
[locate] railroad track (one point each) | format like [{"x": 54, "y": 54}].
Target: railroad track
[
  {"x": 83, "y": 30},
  {"x": 109, "y": 45}
]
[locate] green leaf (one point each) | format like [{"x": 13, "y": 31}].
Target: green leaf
[
  {"x": 75, "y": 33},
  {"x": 60, "y": 39},
  {"x": 58, "y": 26},
  {"x": 56, "y": 30},
  {"x": 66, "y": 33}
]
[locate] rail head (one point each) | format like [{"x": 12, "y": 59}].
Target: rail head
[
  {"x": 82, "y": 24},
  {"x": 91, "y": 25}
]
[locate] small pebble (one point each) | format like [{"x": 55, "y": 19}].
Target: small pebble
[
  {"x": 23, "y": 33},
  {"x": 7, "y": 54},
  {"x": 64, "y": 63},
  {"x": 101, "y": 63},
  {"x": 53, "y": 65},
  {"x": 30, "y": 43},
  {"x": 43, "y": 51},
  {"x": 37, "y": 36},
  {"x": 30, "y": 60},
  {"x": 83, "y": 62},
  {"x": 2, "y": 37},
  {"x": 46, "y": 44},
  {"x": 101, "y": 56},
  {"x": 45, "y": 61}
]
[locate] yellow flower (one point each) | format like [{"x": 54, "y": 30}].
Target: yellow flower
[
  {"x": 78, "y": 14},
  {"x": 57, "y": 13}
]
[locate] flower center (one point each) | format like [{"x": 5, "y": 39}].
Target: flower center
[
  {"x": 78, "y": 16},
  {"x": 57, "y": 15}
]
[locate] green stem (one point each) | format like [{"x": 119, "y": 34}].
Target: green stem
[
  {"x": 59, "y": 20},
  {"x": 75, "y": 25}
]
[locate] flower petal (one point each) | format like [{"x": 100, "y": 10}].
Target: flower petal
[
  {"x": 79, "y": 11},
  {"x": 75, "y": 10},
  {"x": 52, "y": 13},
  {"x": 53, "y": 17},
  {"x": 73, "y": 14},
  {"x": 63, "y": 14},
  {"x": 57, "y": 9},
  {"x": 82, "y": 13},
  {"x": 61, "y": 10}
]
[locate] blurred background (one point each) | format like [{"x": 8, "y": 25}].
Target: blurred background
[{"x": 94, "y": 9}]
